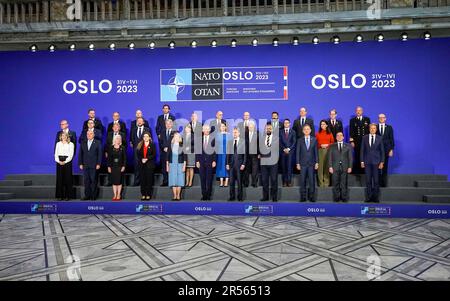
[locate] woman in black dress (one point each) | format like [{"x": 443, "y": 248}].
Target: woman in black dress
[
  {"x": 146, "y": 154},
  {"x": 117, "y": 159}
]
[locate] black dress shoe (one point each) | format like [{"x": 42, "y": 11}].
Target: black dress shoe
[
  {"x": 254, "y": 185},
  {"x": 263, "y": 200},
  {"x": 274, "y": 200},
  {"x": 344, "y": 201},
  {"x": 312, "y": 201},
  {"x": 240, "y": 200},
  {"x": 164, "y": 185},
  {"x": 231, "y": 199},
  {"x": 86, "y": 199},
  {"x": 302, "y": 200}
]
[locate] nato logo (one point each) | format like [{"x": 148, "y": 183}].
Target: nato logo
[
  {"x": 147, "y": 208},
  {"x": 176, "y": 84},
  {"x": 43, "y": 207},
  {"x": 258, "y": 209},
  {"x": 375, "y": 210}
]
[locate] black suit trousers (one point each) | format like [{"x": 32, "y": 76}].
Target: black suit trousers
[
  {"x": 307, "y": 177},
  {"x": 269, "y": 175},
  {"x": 372, "y": 182},
  {"x": 90, "y": 182}
]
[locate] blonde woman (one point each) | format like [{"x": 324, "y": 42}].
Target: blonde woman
[
  {"x": 188, "y": 149},
  {"x": 64, "y": 152},
  {"x": 176, "y": 166},
  {"x": 117, "y": 160}
]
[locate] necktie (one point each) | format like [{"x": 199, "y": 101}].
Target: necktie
[
  {"x": 268, "y": 141},
  {"x": 235, "y": 146},
  {"x": 205, "y": 144},
  {"x": 340, "y": 147},
  {"x": 165, "y": 116},
  {"x": 307, "y": 143},
  {"x": 140, "y": 132},
  {"x": 372, "y": 141},
  {"x": 303, "y": 122},
  {"x": 333, "y": 122},
  {"x": 382, "y": 129},
  {"x": 286, "y": 134},
  {"x": 89, "y": 144}
]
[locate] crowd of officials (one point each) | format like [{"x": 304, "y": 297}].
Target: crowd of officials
[{"x": 238, "y": 155}]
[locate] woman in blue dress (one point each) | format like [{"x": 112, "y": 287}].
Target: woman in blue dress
[
  {"x": 222, "y": 138},
  {"x": 176, "y": 166}
]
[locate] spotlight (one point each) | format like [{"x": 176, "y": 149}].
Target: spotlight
[
  {"x": 33, "y": 48},
  {"x": 427, "y": 35},
  {"x": 335, "y": 39},
  {"x": 275, "y": 42},
  {"x": 194, "y": 44},
  {"x": 91, "y": 46},
  {"x": 255, "y": 42},
  {"x": 72, "y": 47},
  {"x": 315, "y": 40},
  {"x": 295, "y": 41},
  {"x": 404, "y": 36},
  {"x": 213, "y": 43},
  {"x": 112, "y": 46},
  {"x": 380, "y": 37},
  {"x": 131, "y": 46},
  {"x": 233, "y": 43},
  {"x": 151, "y": 45},
  {"x": 172, "y": 45},
  {"x": 359, "y": 38},
  {"x": 52, "y": 48}
]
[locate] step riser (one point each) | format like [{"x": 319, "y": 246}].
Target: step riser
[{"x": 6, "y": 183}]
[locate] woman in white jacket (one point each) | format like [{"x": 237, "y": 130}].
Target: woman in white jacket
[{"x": 64, "y": 153}]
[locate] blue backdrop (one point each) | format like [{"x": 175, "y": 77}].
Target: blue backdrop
[{"x": 33, "y": 101}]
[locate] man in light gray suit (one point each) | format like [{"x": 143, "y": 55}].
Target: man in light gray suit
[{"x": 340, "y": 160}]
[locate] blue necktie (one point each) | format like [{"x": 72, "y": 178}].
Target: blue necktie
[{"x": 307, "y": 143}]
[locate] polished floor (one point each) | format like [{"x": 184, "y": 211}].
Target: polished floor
[{"x": 225, "y": 248}]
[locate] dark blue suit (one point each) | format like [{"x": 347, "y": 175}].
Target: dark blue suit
[
  {"x": 90, "y": 158},
  {"x": 97, "y": 136},
  {"x": 236, "y": 157},
  {"x": 165, "y": 141},
  {"x": 290, "y": 142},
  {"x": 161, "y": 124},
  {"x": 388, "y": 144},
  {"x": 307, "y": 158},
  {"x": 372, "y": 156},
  {"x": 270, "y": 156},
  {"x": 206, "y": 158}
]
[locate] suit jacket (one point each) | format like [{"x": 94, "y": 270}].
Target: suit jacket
[
  {"x": 358, "y": 129},
  {"x": 269, "y": 154},
  {"x": 97, "y": 125},
  {"x": 297, "y": 127},
  {"x": 90, "y": 158},
  {"x": 109, "y": 140},
  {"x": 307, "y": 157},
  {"x": 214, "y": 126},
  {"x": 337, "y": 158},
  {"x": 388, "y": 137},
  {"x": 123, "y": 127},
  {"x": 151, "y": 154},
  {"x": 374, "y": 154},
  {"x": 133, "y": 125},
  {"x": 198, "y": 127},
  {"x": 338, "y": 127},
  {"x": 208, "y": 155},
  {"x": 165, "y": 141},
  {"x": 252, "y": 147},
  {"x": 72, "y": 136},
  {"x": 161, "y": 123},
  {"x": 289, "y": 142},
  {"x": 97, "y": 136},
  {"x": 236, "y": 158},
  {"x": 134, "y": 138}
]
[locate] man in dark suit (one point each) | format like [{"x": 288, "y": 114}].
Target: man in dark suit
[
  {"x": 235, "y": 164},
  {"x": 97, "y": 122},
  {"x": 340, "y": 161},
  {"x": 205, "y": 162},
  {"x": 288, "y": 141},
  {"x": 89, "y": 160},
  {"x": 161, "y": 121},
  {"x": 91, "y": 128},
  {"x": 135, "y": 138},
  {"x": 216, "y": 123},
  {"x": 334, "y": 124},
  {"x": 134, "y": 122},
  {"x": 387, "y": 132},
  {"x": 307, "y": 164},
  {"x": 164, "y": 146},
  {"x": 269, "y": 155},
  {"x": 359, "y": 127},
  {"x": 372, "y": 160},
  {"x": 72, "y": 134},
  {"x": 116, "y": 120},
  {"x": 301, "y": 121},
  {"x": 252, "y": 148}
]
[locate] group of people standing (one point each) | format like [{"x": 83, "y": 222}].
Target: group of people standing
[{"x": 238, "y": 155}]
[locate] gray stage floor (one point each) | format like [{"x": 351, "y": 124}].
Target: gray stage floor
[{"x": 48, "y": 247}]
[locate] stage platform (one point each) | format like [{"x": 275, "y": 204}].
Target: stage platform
[{"x": 408, "y": 196}]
